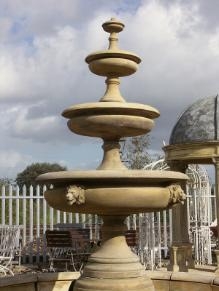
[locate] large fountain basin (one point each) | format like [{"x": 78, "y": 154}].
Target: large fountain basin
[{"x": 113, "y": 192}]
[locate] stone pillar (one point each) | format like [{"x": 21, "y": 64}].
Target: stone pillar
[
  {"x": 181, "y": 249},
  {"x": 216, "y": 164}
]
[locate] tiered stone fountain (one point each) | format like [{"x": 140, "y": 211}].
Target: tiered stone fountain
[{"x": 112, "y": 191}]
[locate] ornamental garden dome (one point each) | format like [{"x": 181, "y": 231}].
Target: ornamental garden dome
[
  {"x": 194, "y": 140},
  {"x": 195, "y": 136},
  {"x": 198, "y": 123}
]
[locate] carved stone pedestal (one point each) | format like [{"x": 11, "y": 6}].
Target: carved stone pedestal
[
  {"x": 114, "y": 266},
  {"x": 181, "y": 257}
]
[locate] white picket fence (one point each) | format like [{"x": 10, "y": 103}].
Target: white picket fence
[{"x": 28, "y": 209}]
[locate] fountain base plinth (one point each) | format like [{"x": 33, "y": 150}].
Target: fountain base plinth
[
  {"x": 114, "y": 266},
  {"x": 130, "y": 284}
]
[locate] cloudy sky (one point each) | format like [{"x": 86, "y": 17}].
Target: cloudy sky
[{"x": 42, "y": 70}]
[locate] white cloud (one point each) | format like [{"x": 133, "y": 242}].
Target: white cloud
[
  {"x": 25, "y": 77},
  {"x": 214, "y": 43},
  {"x": 12, "y": 162},
  {"x": 42, "y": 68},
  {"x": 38, "y": 129},
  {"x": 179, "y": 64},
  {"x": 5, "y": 26},
  {"x": 22, "y": 127}
]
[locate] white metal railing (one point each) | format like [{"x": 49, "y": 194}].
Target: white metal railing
[
  {"x": 201, "y": 210},
  {"x": 9, "y": 242}
]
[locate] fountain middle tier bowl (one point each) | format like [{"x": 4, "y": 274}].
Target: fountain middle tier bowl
[
  {"x": 113, "y": 192},
  {"x": 110, "y": 120},
  {"x": 117, "y": 62}
]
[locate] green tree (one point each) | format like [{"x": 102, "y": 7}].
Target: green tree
[
  {"x": 29, "y": 174},
  {"x": 134, "y": 151},
  {"x": 5, "y": 181}
]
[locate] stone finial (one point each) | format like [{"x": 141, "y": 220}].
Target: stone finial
[
  {"x": 113, "y": 26},
  {"x": 113, "y": 63}
]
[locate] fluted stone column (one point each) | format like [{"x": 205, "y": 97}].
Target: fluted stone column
[
  {"x": 181, "y": 249},
  {"x": 216, "y": 164}
]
